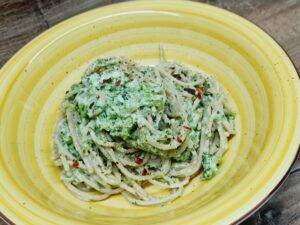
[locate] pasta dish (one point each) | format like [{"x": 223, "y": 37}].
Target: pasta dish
[{"x": 126, "y": 126}]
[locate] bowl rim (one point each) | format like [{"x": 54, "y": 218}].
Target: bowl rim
[{"x": 259, "y": 204}]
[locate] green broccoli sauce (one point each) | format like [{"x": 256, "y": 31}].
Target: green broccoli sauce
[
  {"x": 209, "y": 166},
  {"x": 112, "y": 102},
  {"x": 66, "y": 139}
]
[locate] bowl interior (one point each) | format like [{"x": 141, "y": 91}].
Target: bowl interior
[{"x": 260, "y": 82}]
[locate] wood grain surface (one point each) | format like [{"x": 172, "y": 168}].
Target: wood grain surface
[{"x": 22, "y": 20}]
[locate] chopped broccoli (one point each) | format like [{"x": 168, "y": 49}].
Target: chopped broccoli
[{"x": 209, "y": 166}]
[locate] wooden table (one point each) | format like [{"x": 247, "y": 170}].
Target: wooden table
[{"x": 22, "y": 20}]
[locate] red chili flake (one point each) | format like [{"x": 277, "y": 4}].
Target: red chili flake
[
  {"x": 177, "y": 76},
  {"x": 118, "y": 83},
  {"x": 108, "y": 80},
  {"x": 138, "y": 160},
  {"x": 145, "y": 172},
  {"x": 75, "y": 164},
  {"x": 186, "y": 127},
  {"x": 199, "y": 92},
  {"x": 179, "y": 139}
]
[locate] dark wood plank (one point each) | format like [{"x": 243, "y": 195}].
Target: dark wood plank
[
  {"x": 296, "y": 165},
  {"x": 283, "y": 207},
  {"x": 55, "y": 11},
  {"x": 22, "y": 20},
  {"x": 279, "y": 18}
]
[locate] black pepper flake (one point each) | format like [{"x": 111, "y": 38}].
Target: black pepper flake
[
  {"x": 91, "y": 105},
  {"x": 97, "y": 69},
  {"x": 118, "y": 83},
  {"x": 190, "y": 90},
  {"x": 168, "y": 140},
  {"x": 177, "y": 76},
  {"x": 105, "y": 81},
  {"x": 230, "y": 136}
]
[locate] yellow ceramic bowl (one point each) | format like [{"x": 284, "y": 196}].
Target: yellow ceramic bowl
[{"x": 260, "y": 80}]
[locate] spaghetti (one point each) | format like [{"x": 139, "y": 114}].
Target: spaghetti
[{"x": 125, "y": 126}]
